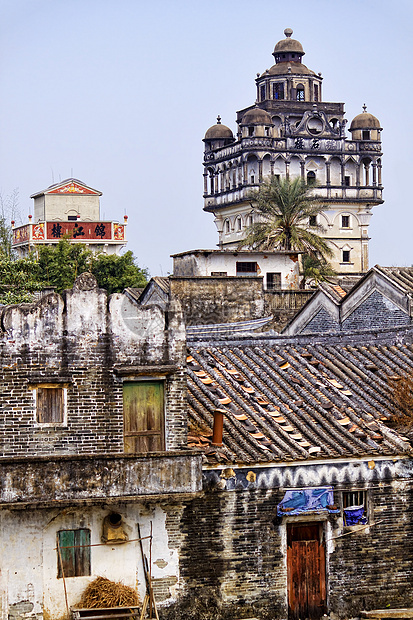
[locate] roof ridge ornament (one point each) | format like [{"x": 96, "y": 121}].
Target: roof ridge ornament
[
  {"x": 364, "y": 108},
  {"x": 218, "y": 120},
  {"x": 288, "y": 32}
]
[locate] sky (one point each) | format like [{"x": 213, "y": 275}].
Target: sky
[{"x": 120, "y": 93}]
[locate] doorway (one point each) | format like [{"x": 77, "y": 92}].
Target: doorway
[{"x": 306, "y": 571}]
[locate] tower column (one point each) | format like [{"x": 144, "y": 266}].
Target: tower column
[
  {"x": 287, "y": 169},
  {"x": 379, "y": 172},
  {"x": 302, "y": 165},
  {"x": 245, "y": 173},
  {"x": 374, "y": 173},
  {"x": 205, "y": 183}
]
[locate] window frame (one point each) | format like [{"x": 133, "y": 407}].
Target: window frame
[
  {"x": 344, "y": 219},
  {"x": 269, "y": 280},
  {"x": 246, "y": 272},
  {"x": 81, "y": 559},
  {"x": 159, "y": 382},
  {"x": 346, "y": 252},
  {"x": 50, "y": 386},
  {"x": 346, "y": 502}
]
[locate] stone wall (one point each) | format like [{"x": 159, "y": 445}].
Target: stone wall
[
  {"x": 90, "y": 345},
  {"x": 224, "y": 299}
]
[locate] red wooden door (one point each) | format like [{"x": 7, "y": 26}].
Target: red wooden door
[{"x": 306, "y": 572}]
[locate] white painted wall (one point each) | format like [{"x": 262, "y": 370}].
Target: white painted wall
[{"x": 28, "y": 556}]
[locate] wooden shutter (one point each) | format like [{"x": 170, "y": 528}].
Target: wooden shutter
[
  {"x": 143, "y": 414},
  {"x": 49, "y": 405},
  {"x": 75, "y": 553}
]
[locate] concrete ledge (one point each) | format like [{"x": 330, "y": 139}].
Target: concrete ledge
[{"x": 406, "y": 612}]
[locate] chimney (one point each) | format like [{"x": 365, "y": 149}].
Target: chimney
[{"x": 218, "y": 429}]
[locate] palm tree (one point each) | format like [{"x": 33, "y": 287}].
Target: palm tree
[
  {"x": 283, "y": 210},
  {"x": 315, "y": 270}
]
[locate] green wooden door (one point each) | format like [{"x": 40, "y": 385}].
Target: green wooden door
[{"x": 143, "y": 416}]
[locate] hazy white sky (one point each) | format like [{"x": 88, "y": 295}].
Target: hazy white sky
[{"x": 121, "y": 92}]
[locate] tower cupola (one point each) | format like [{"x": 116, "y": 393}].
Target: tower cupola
[
  {"x": 365, "y": 126},
  {"x": 288, "y": 49}
]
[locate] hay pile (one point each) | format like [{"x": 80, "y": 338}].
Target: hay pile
[{"x": 102, "y": 592}]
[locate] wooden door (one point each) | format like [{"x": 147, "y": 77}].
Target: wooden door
[
  {"x": 143, "y": 416},
  {"x": 306, "y": 572}
]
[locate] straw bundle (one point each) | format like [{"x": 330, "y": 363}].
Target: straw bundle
[{"x": 102, "y": 592}]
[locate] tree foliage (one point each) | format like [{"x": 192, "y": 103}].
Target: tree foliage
[
  {"x": 282, "y": 209},
  {"x": 115, "y": 273},
  {"x": 59, "y": 265}
]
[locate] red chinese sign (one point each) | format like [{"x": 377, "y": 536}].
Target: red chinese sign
[
  {"x": 79, "y": 230},
  {"x": 21, "y": 234}
]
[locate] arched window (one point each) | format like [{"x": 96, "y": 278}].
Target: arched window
[
  {"x": 311, "y": 178},
  {"x": 300, "y": 93},
  {"x": 250, "y": 220},
  {"x": 227, "y": 227},
  {"x": 238, "y": 223}
]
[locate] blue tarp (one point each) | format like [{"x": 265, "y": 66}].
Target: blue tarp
[
  {"x": 354, "y": 515},
  {"x": 311, "y": 499}
]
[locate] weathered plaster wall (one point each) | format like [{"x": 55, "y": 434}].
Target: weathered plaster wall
[{"x": 29, "y": 585}]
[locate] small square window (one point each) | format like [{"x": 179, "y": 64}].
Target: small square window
[
  {"x": 345, "y": 221},
  {"x": 250, "y": 131},
  {"x": 346, "y": 256},
  {"x": 273, "y": 281},
  {"x": 246, "y": 268},
  {"x": 347, "y": 181},
  {"x": 73, "y": 553},
  {"x": 354, "y": 508},
  {"x": 50, "y": 404},
  {"x": 366, "y": 134}
]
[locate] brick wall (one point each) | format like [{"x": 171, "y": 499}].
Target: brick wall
[
  {"x": 376, "y": 312},
  {"x": 233, "y": 547},
  {"x": 321, "y": 322},
  {"x": 89, "y": 345}
]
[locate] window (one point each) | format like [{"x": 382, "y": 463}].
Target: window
[
  {"x": 267, "y": 131},
  {"x": 219, "y": 273},
  {"x": 278, "y": 90},
  {"x": 354, "y": 507},
  {"x": 250, "y": 131},
  {"x": 311, "y": 178},
  {"x": 143, "y": 416},
  {"x": 300, "y": 94},
  {"x": 365, "y": 134},
  {"x": 345, "y": 221},
  {"x": 346, "y": 256},
  {"x": 347, "y": 181},
  {"x": 312, "y": 220},
  {"x": 252, "y": 178},
  {"x": 273, "y": 281},
  {"x": 262, "y": 92},
  {"x": 250, "y": 220},
  {"x": 50, "y": 404},
  {"x": 227, "y": 227},
  {"x": 315, "y": 92},
  {"x": 246, "y": 268},
  {"x": 239, "y": 224},
  {"x": 74, "y": 552}
]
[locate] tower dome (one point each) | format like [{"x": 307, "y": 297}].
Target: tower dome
[
  {"x": 256, "y": 116},
  {"x": 365, "y": 126},
  {"x": 288, "y": 49},
  {"x": 219, "y": 132}
]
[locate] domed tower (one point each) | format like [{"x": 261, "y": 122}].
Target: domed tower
[{"x": 291, "y": 131}]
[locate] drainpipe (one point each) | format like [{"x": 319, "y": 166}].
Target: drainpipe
[{"x": 218, "y": 428}]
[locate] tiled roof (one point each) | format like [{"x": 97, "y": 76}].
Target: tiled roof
[
  {"x": 403, "y": 276},
  {"x": 287, "y": 402},
  {"x": 163, "y": 283}
]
